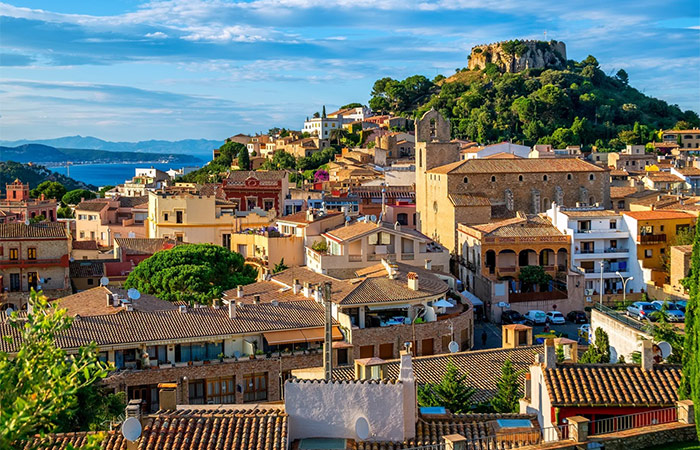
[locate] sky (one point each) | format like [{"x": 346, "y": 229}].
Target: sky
[{"x": 129, "y": 70}]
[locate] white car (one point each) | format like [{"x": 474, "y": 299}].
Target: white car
[
  {"x": 535, "y": 316},
  {"x": 555, "y": 317}
]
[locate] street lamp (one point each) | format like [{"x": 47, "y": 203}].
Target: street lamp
[{"x": 624, "y": 285}]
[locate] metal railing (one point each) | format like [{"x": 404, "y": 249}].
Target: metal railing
[
  {"x": 637, "y": 420},
  {"x": 519, "y": 438},
  {"x": 620, "y": 317}
]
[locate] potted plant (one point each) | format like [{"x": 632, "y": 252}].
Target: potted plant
[
  {"x": 220, "y": 356},
  {"x": 259, "y": 354},
  {"x": 165, "y": 365},
  {"x": 198, "y": 362},
  {"x": 230, "y": 359},
  {"x": 182, "y": 364}
]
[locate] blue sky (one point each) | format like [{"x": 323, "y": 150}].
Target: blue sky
[{"x": 129, "y": 70}]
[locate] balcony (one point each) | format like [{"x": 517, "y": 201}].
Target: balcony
[
  {"x": 651, "y": 238},
  {"x": 602, "y": 233},
  {"x": 610, "y": 252},
  {"x": 34, "y": 262}
]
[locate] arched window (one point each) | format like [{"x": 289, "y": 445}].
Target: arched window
[
  {"x": 433, "y": 128},
  {"x": 591, "y": 177},
  {"x": 569, "y": 176},
  {"x": 520, "y": 178},
  {"x": 493, "y": 178},
  {"x": 591, "y": 201},
  {"x": 545, "y": 178},
  {"x": 435, "y": 207},
  {"x": 466, "y": 180}
]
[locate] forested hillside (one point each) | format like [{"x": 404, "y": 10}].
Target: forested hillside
[
  {"x": 35, "y": 175},
  {"x": 579, "y": 105}
]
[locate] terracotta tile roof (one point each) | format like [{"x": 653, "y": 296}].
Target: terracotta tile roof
[
  {"x": 93, "y": 302},
  {"x": 193, "y": 429},
  {"x": 240, "y": 176},
  {"x": 133, "y": 202},
  {"x": 666, "y": 144},
  {"x": 482, "y": 367},
  {"x": 684, "y": 248},
  {"x": 618, "y": 172},
  {"x": 621, "y": 191},
  {"x": 84, "y": 245},
  {"x": 522, "y": 165},
  {"x": 689, "y": 171},
  {"x": 503, "y": 155},
  {"x": 144, "y": 246},
  {"x": 693, "y": 131},
  {"x": 92, "y": 205},
  {"x": 664, "y": 177},
  {"x": 355, "y": 230},
  {"x": 475, "y": 427},
  {"x": 532, "y": 226},
  {"x": 382, "y": 289},
  {"x": 19, "y": 230},
  {"x": 133, "y": 327},
  {"x": 390, "y": 191},
  {"x": 612, "y": 385},
  {"x": 86, "y": 269},
  {"x": 658, "y": 215},
  {"x": 589, "y": 213},
  {"x": 469, "y": 200},
  {"x": 300, "y": 217}
]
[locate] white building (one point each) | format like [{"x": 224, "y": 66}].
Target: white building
[
  {"x": 600, "y": 240},
  {"x": 322, "y": 126},
  {"x": 359, "y": 113},
  {"x": 521, "y": 151}
]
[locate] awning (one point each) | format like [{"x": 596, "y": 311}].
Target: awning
[
  {"x": 318, "y": 334},
  {"x": 442, "y": 303},
  {"x": 473, "y": 299},
  {"x": 284, "y": 337},
  {"x": 383, "y": 307}
]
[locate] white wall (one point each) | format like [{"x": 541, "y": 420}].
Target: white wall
[{"x": 624, "y": 340}]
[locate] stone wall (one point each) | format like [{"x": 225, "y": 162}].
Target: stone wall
[{"x": 538, "y": 54}]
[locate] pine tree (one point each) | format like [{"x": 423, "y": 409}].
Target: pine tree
[
  {"x": 690, "y": 383},
  {"x": 599, "y": 351},
  {"x": 243, "y": 159},
  {"x": 324, "y": 112},
  {"x": 452, "y": 392},
  {"x": 507, "y": 399}
]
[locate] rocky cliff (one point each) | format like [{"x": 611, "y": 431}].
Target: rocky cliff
[{"x": 516, "y": 55}]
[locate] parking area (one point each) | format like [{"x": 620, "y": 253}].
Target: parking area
[{"x": 493, "y": 333}]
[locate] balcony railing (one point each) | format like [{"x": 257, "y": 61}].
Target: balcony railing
[
  {"x": 651, "y": 238},
  {"x": 378, "y": 257},
  {"x": 18, "y": 262},
  {"x": 630, "y": 421},
  {"x": 355, "y": 258},
  {"x": 408, "y": 256},
  {"x": 605, "y": 250}
]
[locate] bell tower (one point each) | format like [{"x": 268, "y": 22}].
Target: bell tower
[{"x": 17, "y": 191}]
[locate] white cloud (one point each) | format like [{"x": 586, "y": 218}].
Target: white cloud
[{"x": 157, "y": 35}]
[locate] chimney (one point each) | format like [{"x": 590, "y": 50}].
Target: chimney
[
  {"x": 528, "y": 385},
  {"x": 295, "y": 286},
  {"x": 412, "y": 281},
  {"x": 256, "y": 299},
  {"x": 182, "y": 309},
  {"x": 550, "y": 354},
  {"x": 647, "y": 355},
  {"x": 428, "y": 264},
  {"x": 408, "y": 384},
  {"x": 239, "y": 291},
  {"x": 232, "y": 309},
  {"x": 110, "y": 299},
  {"x": 397, "y": 226},
  {"x": 306, "y": 290},
  {"x": 133, "y": 409},
  {"x": 167, "y": 396},
  {"x": 309, "y": 215}
]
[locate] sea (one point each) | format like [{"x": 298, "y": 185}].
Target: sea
[{"x": 111, "y": 174}]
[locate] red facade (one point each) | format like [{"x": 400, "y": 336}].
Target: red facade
[{"x": 255, "y": 190}]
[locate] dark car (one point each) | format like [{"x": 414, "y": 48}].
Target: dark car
[
  {"x": 512, "y": 317},
  {"x": 577, "y": 317}
]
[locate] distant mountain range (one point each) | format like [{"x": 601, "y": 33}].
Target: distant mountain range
[
  {"x": 48, "y": 155},
  {"x": 197, "y": 147}
]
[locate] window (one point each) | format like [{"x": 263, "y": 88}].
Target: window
[
  {"x": 366, "y": 351},
  {"x": 226, "y": 240},
  {"x": 221, "y": 390},
  {"x": 402, "y": 218},
  {"x": 621, "y": 204},
  {"x": 158, "y": 353},
  {"x": 190, "y": 352},
  {"x": 648, "y": 253},
  {"x": 569, "y": 176},
  {"x": 255, "y": 387},
  {"x": 165, "y": 217},
  {"x": 613, "y": 224},
  {"x": 196, "y": 394},
  {"x": 661, "y": 228},
  {"x": 435, "y": 207},
  {"x": 591, "y": 177},
  {"x": 646, "y": 229},
  {"x": 493, "y": 178},
  {"x": 466, "y": 180},
  {"x": 90, "y": 282},
  {"x": 545, "y": 178},
  {"x": 426, "y": 347},
  {"x": 14, "y": 254},
  {"x": 520, "y": 178},
  {"x": 268, "y": 204},
  {"x": 178, "y": 216},
  {"x": 179, "y": 237},
  {"x": 82, "y": 235},
  {"x": 386, "y": 351},
  {"x": 662, "y": 251}
]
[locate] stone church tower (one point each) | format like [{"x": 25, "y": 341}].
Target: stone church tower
[{"x": 433, "y": 149}]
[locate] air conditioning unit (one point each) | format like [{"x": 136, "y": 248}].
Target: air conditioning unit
[
  {"x": 588, "y": 292},
  {"x": 589, "y": 299}
]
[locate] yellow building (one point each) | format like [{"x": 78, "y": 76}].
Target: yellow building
[
  {"x": 654, "y": 232},
  {"x": 195, "y": 214}
]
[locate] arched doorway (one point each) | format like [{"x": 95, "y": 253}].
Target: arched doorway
[{"x": 527, "y": 258}]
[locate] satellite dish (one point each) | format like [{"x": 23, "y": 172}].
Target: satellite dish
[
  {"x": 361, "y": 428},
  {"x": 104, "y": 281},
  {"x": 9, "y": 310},
  {"x": 503, "y": 305},
  {"x": 453, "y": 347},
  {"x": 133, "y": 294},
  {"x": 665, "y": 348},
  {"x": 71, "y": 259},
  {"x": 27, "y": 222},
  {"x": 131, "y": 429},
  {"x": 42, "y": 281},
  {"x": 237, "y": 354},
  {"x": 373, "y": 218}
]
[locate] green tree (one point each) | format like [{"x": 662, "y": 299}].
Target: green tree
[
  {"x": 65, "y": 212},
  {"x": 76, "y": 195},
  {"x": 96, "y": 407},
  {"x": 622, "y": 76},
  {"x": 534, "y": 276},
  {"x": 50, "y": 189},
  {"x": 40, "y": 382},
  {"x": 195, "y": 273},
  {"x": 352, "y": 105},
  {"x": 690, "y": 383},
  {"x": 452, "y": 392},
  {"x": 507, "y": 399},
  {"x": 243, "y": 159},
  {"x": 280, "y": 266},
  {"x": 599, "y": 350},
  {"x": 323, "y": 114},
  {"x": 37, "y": 219},
  {"x": 103, "y": 190}
]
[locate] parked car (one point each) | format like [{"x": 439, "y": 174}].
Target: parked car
[
  {"x": 681, "y": 304},
  {"x": 510, "y": 316},
  {"x": 670, "y": 310},
  {"x": 577, "y": 317},
  {"x": 535, "y": 316},
  {"x": 642, "y": 310},
  {"x": 555, "y": 317}
]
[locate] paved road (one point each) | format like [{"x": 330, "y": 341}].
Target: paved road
[{"x": 493, "y": 333}]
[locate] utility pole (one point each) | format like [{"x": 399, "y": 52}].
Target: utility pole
[
  {"x": 328, "y": 338},
  {"x": 601, "y": 282}
]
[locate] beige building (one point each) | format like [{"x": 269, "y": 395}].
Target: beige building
[
  {"x": 34, "y": 256},
  {"x": 473, "y": 191},
  {"x": 103, "y": 219},
  {"x": 687, "y": 139},
  {"x": 363, "y": 244},
  {"x": 309, "y": 224},
  {"x": 196, "y": 214}
]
